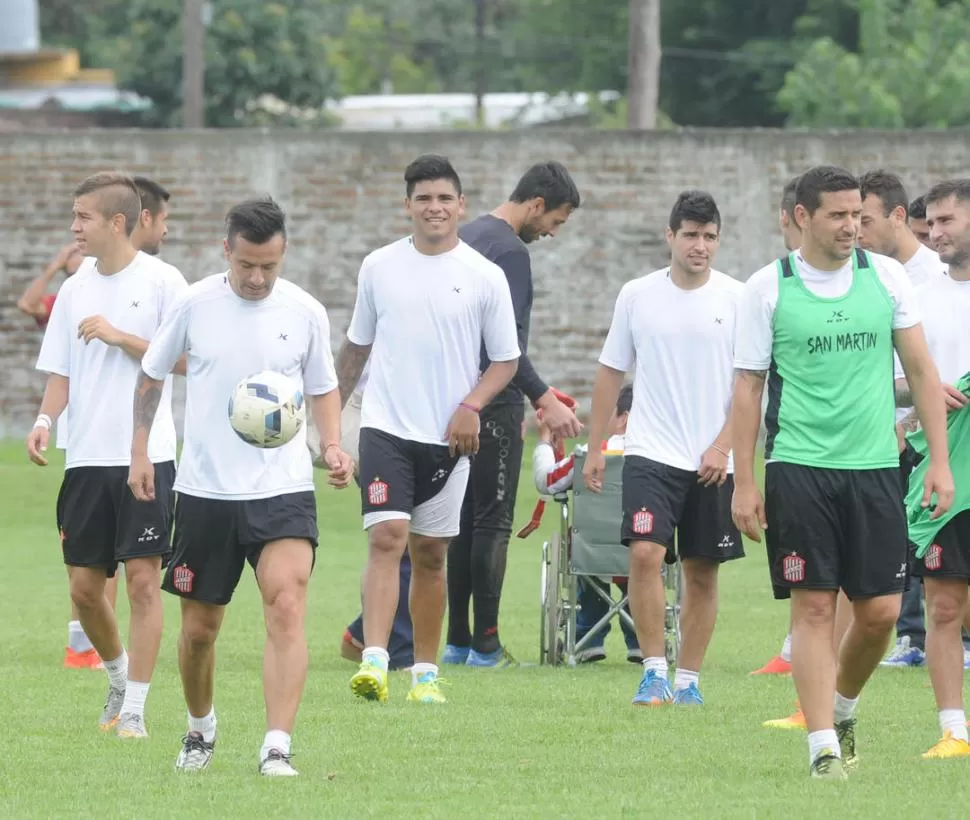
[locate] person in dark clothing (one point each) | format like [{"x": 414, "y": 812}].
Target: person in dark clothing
[{"x": 542, "y": 201}]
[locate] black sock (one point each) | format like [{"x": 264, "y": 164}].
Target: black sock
[{"x": 459, "y": 589}]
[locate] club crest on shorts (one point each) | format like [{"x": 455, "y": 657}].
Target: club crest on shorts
[
  {"x": 642, "y": 521},
  {"x": 377, "y": 492},
  {"x": 934, "y": 558},
  {"x": 182, "y": 578},
  {"x": 793, "y": 568}
]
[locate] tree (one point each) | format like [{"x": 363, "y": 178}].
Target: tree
[{"x": 912, "y": 70}]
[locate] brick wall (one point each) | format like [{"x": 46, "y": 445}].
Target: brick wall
[{"x": 344, "y": 194}]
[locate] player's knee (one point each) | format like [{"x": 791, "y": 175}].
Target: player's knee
[
  {"x": 813, "y": 609},
  {"x": 284, "y": 610},
  {"x": 701, "y": 576},
  {"x": 879, "y": 615},
  {"x": 199, "y": 630},
  {"x": 646, "y": 557},
  {"x": 388, "y": 538},
  {"x": 86, "y": 587},
  {"x": 142, "y": 583},
  {"x": 945, "y": 610},
  {"x": 428, "y": 554}
]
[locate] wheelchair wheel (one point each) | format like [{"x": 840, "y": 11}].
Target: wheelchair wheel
[{"x": 549, "y": 642}]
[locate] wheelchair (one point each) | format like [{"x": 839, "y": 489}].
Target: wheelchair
[{"x": 588, "y": 544}]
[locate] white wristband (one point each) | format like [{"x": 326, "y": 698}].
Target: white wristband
[{"x": 43, "y": 420}]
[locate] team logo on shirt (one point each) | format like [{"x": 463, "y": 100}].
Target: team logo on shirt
[
  {"x": 793, "y": 568},
  {"x": 642, "y": 521},
  {"x": 377, "y": 492},
  {"x": 182, "y": 578},
  {"x": 934, "y": 558}
]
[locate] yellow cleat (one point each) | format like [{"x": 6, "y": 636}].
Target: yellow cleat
[
  {"x": 427, "y": 690},
  {"x": 950, "y": 746},
  {"x": 793, "y": 721},
  {"x": 370, "y": 683}
]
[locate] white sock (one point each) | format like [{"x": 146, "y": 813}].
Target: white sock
[
  {"x": 117, "y": 670},
  {"x": 275, "y": 739},
  {"x": 77, "y": 638},
  {"x": 844, "y": 707},
  {"x": 954, "y": 721},
  {"x": 825, "y": 741},
  {"x": 377, "y": 656},
  {"x": 205, "y": 725},
  {"x": 135, "y": 696},
  {"x": 684, "y": 678},
  {"x": 420, "y": 669},
  {"x": 658, "y": 665},
  {"x": 786, "y": 648}
]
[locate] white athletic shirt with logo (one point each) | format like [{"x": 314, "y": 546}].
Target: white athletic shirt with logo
[
  {"x": 426, "y": 317},
  {"x": 102, "y": 378},
  {"x": 682, "y": 344},
  {"x": 226, "y": 339},
  {"x": 945, "y": 304}
]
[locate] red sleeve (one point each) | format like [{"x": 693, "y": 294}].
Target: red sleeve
[{"x": 48, "y": 302}]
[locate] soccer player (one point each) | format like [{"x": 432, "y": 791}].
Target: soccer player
[
  {"x": 98, "y": 331},
  {"x": 424, "y": 305},
  {"x": 236, "y": 502},
  {"x": 552, "y": 476},
  {"x": 945, "y": 565},
  {"x": 539, "y": 206},
  {"x": 677, "y": 327},
  {"x": 917, "y": 221},
  {"x": 885, "y": 230},
  {"x": 823, "y": 322}
]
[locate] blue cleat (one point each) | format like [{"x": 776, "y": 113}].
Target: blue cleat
[
  {"x": 455, "y": 654},
  {"x": 904, "y": 654},
  {"x": 688, "y": 696},
  {"x": 654, "y": 690},
  {"x": 499, "y": 659}
]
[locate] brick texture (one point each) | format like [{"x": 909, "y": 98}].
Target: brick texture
[{"x": 344, "y": 196}]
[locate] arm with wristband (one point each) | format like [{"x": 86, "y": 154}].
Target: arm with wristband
[{"x": 51, "y": 407}]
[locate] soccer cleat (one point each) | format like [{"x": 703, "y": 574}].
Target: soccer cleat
[
  {"x": 688, "y": 696},
  {"x": 828, "y": 766},
  {"x": 196, "y": 754},
  {"x": 501, "y": 658},
  {"x": 949, "y": 746},
  {"x": 277, "y": 764},
  {"x": 456, "y": 655},
  {"x": 427, "y": 689},
  {"x": 131, "y": 725},
  {"x": 89, "y": 659},
  {"x": 904, "y": 654},
  {"x": 845, "y": 731},
  {"x": 112, "y": 708},
  {"x": 653, "y": 690},
  {"x": 776, "y": 666},
  {"x": 796, "y": 720},
  {"x": 370, "y": 683}
]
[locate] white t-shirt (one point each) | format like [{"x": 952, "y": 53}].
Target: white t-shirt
[
  {"x": 682, "y": 343},
  {"x": 945, "y": 305},
  {"x": 102, "y": 378},
  {"x": 756, "y": 318},
  {"x": 228, "y": 338},
  {"x": 426, "y": 317}
]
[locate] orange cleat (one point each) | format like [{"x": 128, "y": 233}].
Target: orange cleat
[
  {"x": 776, "y": 666},
  {"x": 88, "y": 659},
  {"x": 793, "y": 721}
]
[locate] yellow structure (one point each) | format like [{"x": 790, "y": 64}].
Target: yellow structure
[{"x": 49, "y": 66}]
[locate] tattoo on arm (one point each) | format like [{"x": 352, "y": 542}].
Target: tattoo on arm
[
  {"x": 350, "y": 364},
  {"x": 148, "y": 393},
  {"x": 909, "y": 422},
  {"x": 755, "y": 374}
]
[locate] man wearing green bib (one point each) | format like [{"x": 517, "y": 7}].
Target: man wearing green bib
[{"x": 820, "y": 325}]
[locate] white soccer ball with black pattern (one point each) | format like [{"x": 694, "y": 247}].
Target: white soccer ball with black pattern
[{"x": 267, "y": 409}]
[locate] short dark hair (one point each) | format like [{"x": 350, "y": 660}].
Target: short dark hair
[
  {"x": 788, "y": 197},
  {"x": 429, "y": 167},
  {"x": 117, "y": 194},
  {"x": 822, "y": 179},
  {"x": 624, "y": 401},
  {"x": 960, "y": 188},
  {"x": 917, "y": 208},
  {"x": 256, "y": 221},
  {"x": 552, "y": 182},
  {"x": 152, "y": 195},
  {"x": 694, "y": 206},
  {"x": 888, "y": 187}
]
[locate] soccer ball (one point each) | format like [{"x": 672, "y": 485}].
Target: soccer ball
[{"x": 267, "y": 409}]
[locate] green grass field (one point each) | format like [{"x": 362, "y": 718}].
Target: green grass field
[{"x": 528, "y": 742}]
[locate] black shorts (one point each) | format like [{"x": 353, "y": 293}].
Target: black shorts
[
  {"x": 410, "y": 479},
  {"x": 213, "y": 539},
  {"x": 949, "y": 554},
  {"x": 101, "y": 522},
  {"x": 659, "y": 500},
  {"x": 835, "y": 528}
]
